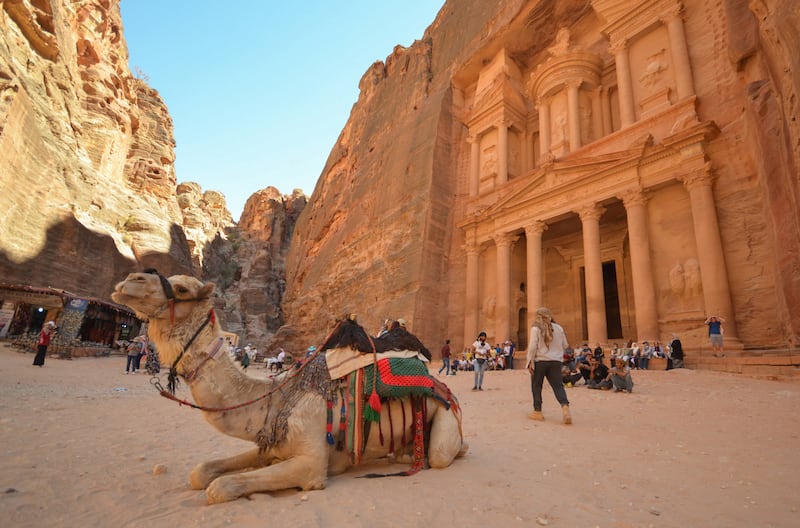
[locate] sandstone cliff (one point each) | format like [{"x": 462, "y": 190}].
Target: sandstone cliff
[
  {"x": 248, "y": 264},
  {"x": 379, "y": 236},
  {"x": 87, "y": 156}
]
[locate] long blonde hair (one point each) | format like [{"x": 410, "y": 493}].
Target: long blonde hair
[{"x": 543, "y": 322}]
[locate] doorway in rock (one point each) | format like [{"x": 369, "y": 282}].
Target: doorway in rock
[
  {"x": 611, "y": 291},
  {"x": 611, "y": 294},
  {"x": 522, "y": 332}
]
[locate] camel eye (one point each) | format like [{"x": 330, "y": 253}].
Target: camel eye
[{"x": 181, "y": 289}]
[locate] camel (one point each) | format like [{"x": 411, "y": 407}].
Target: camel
[{"x": 295, "y": 450}]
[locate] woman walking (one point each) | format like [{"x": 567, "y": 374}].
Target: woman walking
[{"x": 545, "y": 354}]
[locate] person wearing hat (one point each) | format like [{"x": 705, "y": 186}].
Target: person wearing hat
[
  {"x": 545, "y": 355},
  {"x": 45, "y": 334},
  {"x": 481, "y": 357},
  {"x": 310, "y": 351}
]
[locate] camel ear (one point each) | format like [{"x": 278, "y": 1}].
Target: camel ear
[{"x": 206, "y": 291}]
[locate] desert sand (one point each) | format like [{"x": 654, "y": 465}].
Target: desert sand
[{"x": 82, "y": 441}]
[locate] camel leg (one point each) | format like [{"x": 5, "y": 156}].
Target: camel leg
[
  {"x": 304, "y": 472},
  {"x": 445, "y": 439},
  {"x": 203, "y": 474}
]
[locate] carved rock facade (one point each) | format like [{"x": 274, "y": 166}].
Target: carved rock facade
[{"x": 630, "y": 164}]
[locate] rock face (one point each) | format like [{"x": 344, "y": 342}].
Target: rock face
[
  {"x": 86, "y": 156},
  {"x": 248, "y": 266},
  {"x": 633, "y": 165}
]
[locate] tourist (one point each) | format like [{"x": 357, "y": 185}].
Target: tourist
[
  {"x": 508, "y": 351},
  {"x": 621, "y": 376},
  {"x": 582, "y": 364},
  {"x": 676, "y": 352},
  {"x": 445, "y": 359},
  {"x": 715, "y": 334},
  {"x": 599, "y": 375},
  {"x": 245, "y": 360},
  {"x": 142, "y": 352},
  {"x": 569, "y": 373},
  {"x": 280, "y": 359},
  {"x": 646, "y": 354},
  {"x": 598, "y": 353},
  {"x": 545, "y": 355},
  {"x": 45, "y": 335},
  {"x": 658, "y": 352},
  {"x": 134, "y": 349},
  {"x": 481, "y": 351}
]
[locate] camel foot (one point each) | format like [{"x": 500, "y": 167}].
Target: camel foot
[
  {"x": 201, "y": 476},
  {"x": 225, "y": 489}
]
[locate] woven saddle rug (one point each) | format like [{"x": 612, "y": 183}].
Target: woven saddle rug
[{"x": 388, "y": 379}]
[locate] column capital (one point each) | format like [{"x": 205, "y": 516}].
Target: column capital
[
  {"x": 573, "y": 83},
  {"x": 472, "y": 139},
  {"x": 537, "y": 227},
  {"x": 504, "y": 239},
  {"x": 472, "y": 247},
  {"x": 672, "y": 14},
  {"x": 618, "y": 46},
  {"x": 590, "y": 212},
  {"x": 543, "y": 101},
  {"x": 504, "y": 123},
  {"x": 633, "y": 197},
  {"x": 703, "y": 177}
]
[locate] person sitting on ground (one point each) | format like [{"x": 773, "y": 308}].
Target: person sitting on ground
[
  {"x": 582, "y": 363},
  {"x": 598, "y": 352},
  {"x": 569, "y": 373},
  {"x": 646, "y": 354},
  {"x": 676, "y": 354},
  {"x": 635, "y": 355},
  {"x": 658, "y": 352},
  {"x": 599, "y": 375},
  {"x": 621, "y": 376}
]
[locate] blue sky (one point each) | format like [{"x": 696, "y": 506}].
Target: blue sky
[{"x": 259, "y": 90}]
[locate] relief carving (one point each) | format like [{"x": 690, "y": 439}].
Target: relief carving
[
  {"x": 653, "y": 77},
  {"x": 685, "y": 287}
]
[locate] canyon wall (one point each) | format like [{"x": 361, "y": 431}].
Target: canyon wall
[{"x": 89, "y": 190}]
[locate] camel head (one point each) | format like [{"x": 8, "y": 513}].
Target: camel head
[{"x": 149, "y": 296}]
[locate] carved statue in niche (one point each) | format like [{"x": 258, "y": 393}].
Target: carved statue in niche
[
  {"x": 561, "y": 45},
  {"x": 513, "y": 157},
  {"x": 677, "y": 282},
  {"x": 685, "y": 289},
  {"x": 586, "y": 124},
  {"x": 489, "y": 165},
  {"x": 653, "y": 77},
  {"x": 559, "y": 132},
  {"x": 488, "y": 307},
  {"x": 694, "y": 284}
]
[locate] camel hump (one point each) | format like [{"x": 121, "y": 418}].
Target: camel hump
[{"x": 348, "y": 334}]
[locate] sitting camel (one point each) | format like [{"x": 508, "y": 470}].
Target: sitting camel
[{"x": 287, "y": 416}]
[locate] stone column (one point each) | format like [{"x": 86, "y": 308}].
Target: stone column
[
  {"x": 605, "y": 105},
  {"x": 534, "y": 271},
  {"x": 597, "y": 113},
  {"x": 573, "y": 115},
  {"x": 544, "y": 127},
  {"x": 502, "y": 152},
  {"x": 593, "y": 265},
  {"x": 471, "y": 305},
  {"x": 627, "y": 111},
  {"x": 713, "y": 272},
  {"x": 644, "y": 293},
  {"x": 474, "y": 164},
  {"x": 503, "y": 242},
  {"x": 680, "y": 53}
]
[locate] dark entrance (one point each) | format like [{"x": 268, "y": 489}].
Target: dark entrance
[
  {"x": 611, "y": 294},
  {"x": 611, "y": 291}
]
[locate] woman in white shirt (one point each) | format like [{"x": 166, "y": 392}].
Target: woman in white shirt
[
  {"x": 481, "y": 357},
  {"x": 545, "y": 354}
]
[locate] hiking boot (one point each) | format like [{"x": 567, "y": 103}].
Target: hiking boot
[
  {"x": 566, "y": 415},
  {"x": 536, "y": 415}
]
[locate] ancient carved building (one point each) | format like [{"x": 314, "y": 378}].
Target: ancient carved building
[{"x": 602, "y": 178}]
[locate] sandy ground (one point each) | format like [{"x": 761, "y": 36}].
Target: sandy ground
[{"x": 80, "y": 441}]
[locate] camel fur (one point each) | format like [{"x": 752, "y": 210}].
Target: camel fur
[{"x": 303, "y": 459}]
